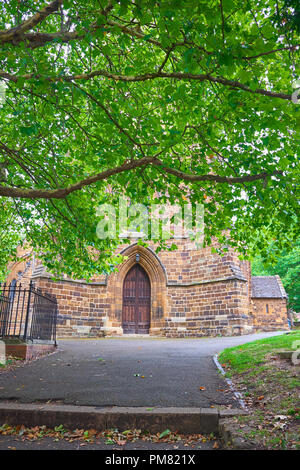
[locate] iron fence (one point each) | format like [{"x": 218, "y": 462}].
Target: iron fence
[{"x": 27, "y": 313}]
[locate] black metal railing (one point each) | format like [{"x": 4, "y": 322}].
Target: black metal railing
[{"x": 27, "y": 313}]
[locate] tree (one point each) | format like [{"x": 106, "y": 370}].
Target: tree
[
  {"x": 287, "y": 267},
  {"x": 179, "y": 98}
]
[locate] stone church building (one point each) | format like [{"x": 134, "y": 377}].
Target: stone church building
[{"x": 187, "y": 292}]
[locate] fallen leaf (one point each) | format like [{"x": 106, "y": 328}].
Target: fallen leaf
[
  {"x": 164, "y": 433},
  {"x": 121, "y": 443},
  {"x": 109, "y": 442}
]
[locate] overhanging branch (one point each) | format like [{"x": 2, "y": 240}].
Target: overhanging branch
[
  {"x": 10, "y": 35},
  {"x": 61, "y": 193},
  {"x": 149, "y": 76}
]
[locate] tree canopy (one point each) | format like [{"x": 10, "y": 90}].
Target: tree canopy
[
  {"x": 287, "y": 267},
  {"x": 143, "y": 97}
]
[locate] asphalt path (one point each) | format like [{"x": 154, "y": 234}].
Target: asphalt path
[{"x": 152, "y": 372}]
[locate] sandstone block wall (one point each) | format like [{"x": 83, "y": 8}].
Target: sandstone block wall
[
  {"x": 194, "y": 292},
  {"x": 269, "y": 314},
  {"x": 81, "y": 307}
]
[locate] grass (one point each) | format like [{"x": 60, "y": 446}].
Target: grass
[
  {"x": 10, "y": 363},
  {"x": 251, "y": 355},
  {"x": 270, "y": 387}
]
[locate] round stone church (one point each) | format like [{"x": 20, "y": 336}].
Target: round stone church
[{"x": 189, "y": 292}]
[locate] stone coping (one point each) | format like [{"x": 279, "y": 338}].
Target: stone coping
[{"x": 154, "y": 419}]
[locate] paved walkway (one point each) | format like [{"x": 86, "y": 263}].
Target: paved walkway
[
  {"x": 48, "y": 443},
  {"x": 103, "y": 373}
]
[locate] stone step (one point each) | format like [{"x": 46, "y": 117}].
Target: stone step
[{"x": 183, "y": 420}]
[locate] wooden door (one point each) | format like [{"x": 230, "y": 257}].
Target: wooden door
[{"x": 136, "y": 301}]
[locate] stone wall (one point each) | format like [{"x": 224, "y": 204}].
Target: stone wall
[
  {"x": 81, "y": 306},
  {"x": 194, "y": 292},
  {"x": 21, "y": 270},
  {"x": 269, "y": 314},
  {"x": 28, "y": 352},
  {"x": 208, "y": 309}
]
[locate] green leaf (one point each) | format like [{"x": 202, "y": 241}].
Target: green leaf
[
  {"x": 28, "y": 130},
  {"x": 164, "y": 433}
]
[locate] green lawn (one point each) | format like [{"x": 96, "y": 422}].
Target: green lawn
[
  {"x": 270, "y": 387},
  {"x": 247, "y": 356}
]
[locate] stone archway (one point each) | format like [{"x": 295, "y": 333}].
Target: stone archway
[{"x": 157, "y": 276}]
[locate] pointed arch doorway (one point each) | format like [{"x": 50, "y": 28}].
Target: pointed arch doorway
[{"x": 136, "y": 301}]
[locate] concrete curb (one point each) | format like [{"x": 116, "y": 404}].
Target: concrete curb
[
  {"x": 183, "y": 420},
  {"x": 237, "y": 394}
]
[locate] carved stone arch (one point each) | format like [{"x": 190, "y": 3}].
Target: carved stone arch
[
  {"x": 157, "y": 275},
  {"x": 139, "y": 249}
]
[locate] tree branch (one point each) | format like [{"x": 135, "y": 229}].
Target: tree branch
[
  {"x": 150, "y": 76},
  {"x": 216, "y": 178},
  {"x": 10, "y": 35},
  {"x": 61, "y": 193},
  {"x": 39, "y": 39},
  {"x": 110, "y": 116}
]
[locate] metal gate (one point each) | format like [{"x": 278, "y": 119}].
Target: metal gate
[{"x": 26, "y": 312}]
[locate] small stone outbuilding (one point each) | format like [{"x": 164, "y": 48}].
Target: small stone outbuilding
[{"x": 269, "y": 301}]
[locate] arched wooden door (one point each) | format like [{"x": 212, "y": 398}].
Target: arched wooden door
[{"x": 136, "y": 301}]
